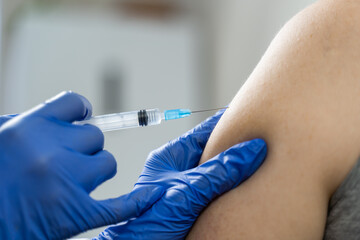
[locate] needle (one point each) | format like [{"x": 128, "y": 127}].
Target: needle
[{"x": 208, "y": 110}]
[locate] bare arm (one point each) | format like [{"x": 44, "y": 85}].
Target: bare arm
[{"x": 304, "y": 99}]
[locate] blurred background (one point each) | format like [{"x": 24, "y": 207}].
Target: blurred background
[{"x": 128, "y": 55}]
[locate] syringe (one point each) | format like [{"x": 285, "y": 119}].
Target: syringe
[{"x": 146, "y": 117}]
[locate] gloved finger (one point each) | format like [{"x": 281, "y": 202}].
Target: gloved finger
[
  {"x": 86, "y": 139},
  {"x": 226, "y": 170},
  {"x": 170, "y": 217},
  {"x": 66, "y": 106},
  {"x": 131, "y": 205},
  {"x": 91, "y": 171},
  {"x": 185, "y": 152},
  {"x": 5, "y": 118}
]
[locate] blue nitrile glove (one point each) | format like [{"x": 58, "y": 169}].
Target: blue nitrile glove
[
  {"x": 48, "y": 167},
  {"x": 5, "y": 118},
  {"x": 189, "y": 188}
]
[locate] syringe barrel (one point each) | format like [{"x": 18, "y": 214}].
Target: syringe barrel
[{"x": 124, "y": 120}]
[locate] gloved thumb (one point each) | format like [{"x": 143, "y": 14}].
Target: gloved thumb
[
  {"x": 130, "y": 205},
  {"x": 66, "y": 106},
  {"x": 227, "y": 170}
]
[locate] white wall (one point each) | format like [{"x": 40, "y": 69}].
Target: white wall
[
  {"x": 244, "y": 30},
  {"x": 7, "y": 11},
  {"x": 1, "y": 48}
]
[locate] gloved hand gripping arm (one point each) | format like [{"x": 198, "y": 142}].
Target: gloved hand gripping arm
[{"x": 189, "y": 188}]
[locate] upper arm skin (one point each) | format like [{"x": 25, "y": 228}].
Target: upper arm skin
[{"x": 303, "y": 98}]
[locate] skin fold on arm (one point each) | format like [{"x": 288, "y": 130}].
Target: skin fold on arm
[{"x": 303, "y": 98}]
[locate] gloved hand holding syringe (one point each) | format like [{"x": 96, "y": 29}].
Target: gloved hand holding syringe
[{"x": 148, "y": 117}]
